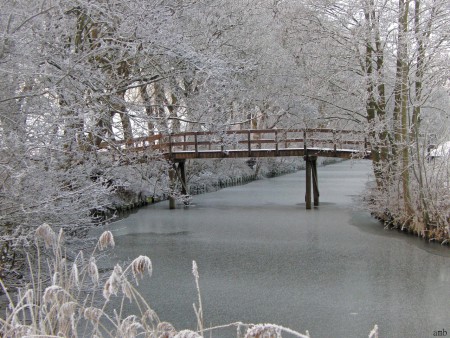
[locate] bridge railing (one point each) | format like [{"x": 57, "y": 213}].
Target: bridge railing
[
  {"x": 245, "y": 140},
  {"x": 265, "y": 139},
  {"x": 135, "y": 144}
]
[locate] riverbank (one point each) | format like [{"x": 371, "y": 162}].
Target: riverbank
[
  {"x": 432, "y": 232},
  {"x": 429, "y": 222}
]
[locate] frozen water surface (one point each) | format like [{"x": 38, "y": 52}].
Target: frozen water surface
[{"x": 263, "y": 258}]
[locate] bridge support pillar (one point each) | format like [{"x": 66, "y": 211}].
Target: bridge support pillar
[
  {"x": 172, "y": 176},
  {"x": 311, "y": 176},
  {"x": 178, "y": 171},
  {"x": 182, "y": 172},
  {"x": 308, "y": 183},
  {"x": 315, "y": 181}
]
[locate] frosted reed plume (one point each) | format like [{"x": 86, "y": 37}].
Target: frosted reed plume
[
  {"x": 165, "y": 330},
  {"x": 92, "y": 270},
  {"x": 106, "y": 240},
  {"x": 74, "y": 275},
  {"x": 114, "y": 283},
  {"x": 374, "y": 332},
  {"x": 68, "y": 309},
  {"x": 141, "y": 265},
  {"x": 52, "y": 293},
  {"x": 199, "y": 310},
  {"x": 46, "y": 233},
  {"x": 130, "y": 327},
  {"x": 93, "y": 314}
]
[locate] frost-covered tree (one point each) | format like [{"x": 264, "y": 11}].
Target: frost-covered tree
[{"x": 79, "y": 76}]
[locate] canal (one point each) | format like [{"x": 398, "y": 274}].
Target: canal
[{"x": 263, "y": 258}]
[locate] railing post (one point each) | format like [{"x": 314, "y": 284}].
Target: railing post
[
  {"x": 276, "y": 142},
  {"x": 334, "y": 141},
  {"x": 196, "y": 144},
  {"x": 305, "y": 147},
  {"x": 249, "y": 143}
]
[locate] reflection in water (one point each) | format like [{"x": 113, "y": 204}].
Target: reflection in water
[{"x": 262, "y": 257}]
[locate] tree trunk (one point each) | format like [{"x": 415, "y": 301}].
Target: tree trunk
[
  {"x": 420, "y": 36},
  {"x": 402, "y": 101},
  {"x": 375, "y": 91}
]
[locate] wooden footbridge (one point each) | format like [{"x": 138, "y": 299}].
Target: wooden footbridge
[{"x": 308, "y": 143}]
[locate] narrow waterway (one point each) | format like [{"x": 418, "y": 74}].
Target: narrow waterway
[{"x": 263, "y": 258}]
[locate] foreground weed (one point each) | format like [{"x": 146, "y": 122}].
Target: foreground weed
[{"x": 69, "y": 298}]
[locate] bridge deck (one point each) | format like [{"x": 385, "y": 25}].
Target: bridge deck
[{"x": 206, "y": 154}]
